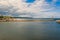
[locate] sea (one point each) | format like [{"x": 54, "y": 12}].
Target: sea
[{"x": 49, "y": 30}]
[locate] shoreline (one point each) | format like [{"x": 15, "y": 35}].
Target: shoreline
[{"x": 25, "y": 20}]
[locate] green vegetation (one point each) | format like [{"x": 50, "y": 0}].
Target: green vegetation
[
  {"x": 7, "y": 17},
  {"x": 1, "y": 16},
  {"x": 4, "y": 17}
]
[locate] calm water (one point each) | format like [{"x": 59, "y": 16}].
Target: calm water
[{"x": 29, "y": 31}]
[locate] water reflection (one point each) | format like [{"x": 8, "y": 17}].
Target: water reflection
[{"x": 29, "y": 31}]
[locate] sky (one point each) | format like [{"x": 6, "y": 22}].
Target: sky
[{"x": 30, "y": 8}]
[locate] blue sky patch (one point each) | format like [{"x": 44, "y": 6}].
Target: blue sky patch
[
  {"x": 30, "y": 1},
  {"x": 57, "y": 3},
  {"x": 49, "y": 1}
]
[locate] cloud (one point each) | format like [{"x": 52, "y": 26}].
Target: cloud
[{"x": 37, "y": 9}]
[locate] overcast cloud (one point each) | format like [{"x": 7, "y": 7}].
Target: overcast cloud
[{"x": 36, "y": 9}]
